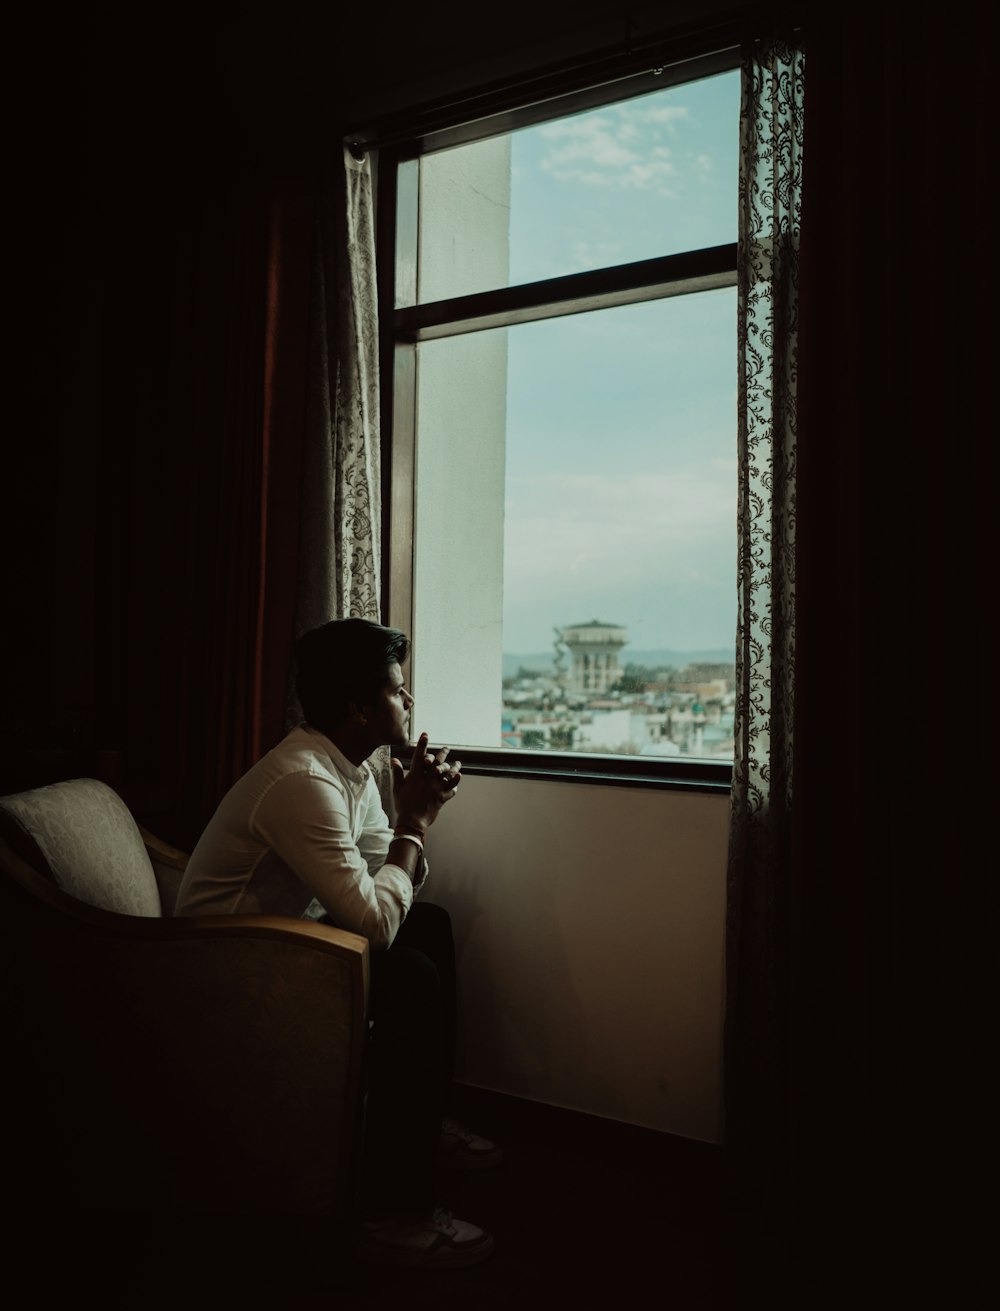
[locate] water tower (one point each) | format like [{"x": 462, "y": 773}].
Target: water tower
[{"x": 593, "y": 650}]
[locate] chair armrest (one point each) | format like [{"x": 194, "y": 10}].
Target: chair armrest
[{"x": 163, "y": 851}]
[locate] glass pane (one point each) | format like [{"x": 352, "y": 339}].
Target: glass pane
[
  {"x": 576, "y": 532},
  {"x": 650, "y": 176}
]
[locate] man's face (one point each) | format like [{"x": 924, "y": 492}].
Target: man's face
[{"x": 389, "y": 713}]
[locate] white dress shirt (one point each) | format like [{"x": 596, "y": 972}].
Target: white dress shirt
[{"x": 303, "y": 825}]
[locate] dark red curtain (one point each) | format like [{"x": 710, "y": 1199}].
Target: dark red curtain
[
  {"x": 882, "y": 982},
  {"x": 205, "y": 236},
  {"x": 240, "y": 333}
]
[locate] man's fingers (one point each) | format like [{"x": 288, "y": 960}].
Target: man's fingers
[
  {"x": 434, "y": 760},
  {"x": 419, "y": 752}
]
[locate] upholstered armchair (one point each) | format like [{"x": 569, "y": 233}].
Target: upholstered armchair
[{"x": 165, "y": 1064}]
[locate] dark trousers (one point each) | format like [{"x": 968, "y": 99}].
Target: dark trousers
[{"x": 411, "y": 1060}]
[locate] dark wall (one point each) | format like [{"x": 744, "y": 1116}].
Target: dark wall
[{"x": 420, "y": 53}]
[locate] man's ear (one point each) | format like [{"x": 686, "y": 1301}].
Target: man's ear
[{"x": 357, "y": 712}]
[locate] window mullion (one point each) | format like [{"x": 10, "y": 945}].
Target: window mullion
[{"x": 652, "y": 279}]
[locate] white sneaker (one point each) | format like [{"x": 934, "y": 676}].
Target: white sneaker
[
  {"x": 461, "y": 1150},
  {"x": 434, "y": 1242}
]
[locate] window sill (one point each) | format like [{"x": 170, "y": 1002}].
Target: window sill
[{"x": 668, "y": 773}]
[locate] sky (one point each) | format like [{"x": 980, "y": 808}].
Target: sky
[{"x": 621, "y": 424}]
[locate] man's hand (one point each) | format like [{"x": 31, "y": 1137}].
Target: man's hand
[{"x": 422, "y": 792}]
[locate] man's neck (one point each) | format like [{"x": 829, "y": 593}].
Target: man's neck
[{"x": 349, "y": 739}]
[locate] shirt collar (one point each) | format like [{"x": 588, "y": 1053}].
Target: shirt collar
[{"x": 353, "y": 773}]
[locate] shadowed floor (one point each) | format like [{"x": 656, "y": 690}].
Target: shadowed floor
[{"x": 585, "y": 1213}]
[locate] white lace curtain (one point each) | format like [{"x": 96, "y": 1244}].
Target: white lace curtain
[
  {"x": 340, "y": 548},
  {"x": 771, "y": 136},
  {"x": 341, "y": 569}
]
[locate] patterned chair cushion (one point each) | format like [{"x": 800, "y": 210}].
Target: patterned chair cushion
[{"x": 91, "y": 843}]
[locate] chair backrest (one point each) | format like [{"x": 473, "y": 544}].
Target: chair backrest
[{"x": 90, "y": 844}]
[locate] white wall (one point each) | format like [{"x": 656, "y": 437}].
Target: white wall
[
  {"x": 589, "y": 923},
  {"x": 457, "y": 629},
  {"x": 458, "y": 544}
]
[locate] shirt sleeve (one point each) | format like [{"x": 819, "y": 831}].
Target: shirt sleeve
[
  {"x": 377, "y": 834},
  {"x": 305, "y": 820}
]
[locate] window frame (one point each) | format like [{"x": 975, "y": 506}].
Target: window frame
[{"x": 402, "y": 328}]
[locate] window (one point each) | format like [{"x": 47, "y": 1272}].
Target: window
[{"x": 563, "y": 508}]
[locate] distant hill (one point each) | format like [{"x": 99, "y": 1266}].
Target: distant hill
[{"x": 542, "y": 663}]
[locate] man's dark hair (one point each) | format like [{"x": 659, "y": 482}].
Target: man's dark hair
[{"x": 342, "y": 661}]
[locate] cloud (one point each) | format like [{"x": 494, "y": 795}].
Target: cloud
[
  {"x": 619, "y": 528},
  {"x": 667, "y": 116},
  {"x": 595, "y": 254},
  {"x": 590, "y": 140},
  {"x": 621, "y": 150},
  {"x": 704, "y": 165}
]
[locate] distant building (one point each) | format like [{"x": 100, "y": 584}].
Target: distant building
[
  {"x": 593, "y": 650},
  {"x": 705, "y": 691}
]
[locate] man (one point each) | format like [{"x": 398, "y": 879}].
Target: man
[{"x": 304, "y": 833}]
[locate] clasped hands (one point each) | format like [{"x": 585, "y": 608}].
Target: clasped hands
[
  {"x": 430, "y": 782},
  {"x": 445, "y": 778}
]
